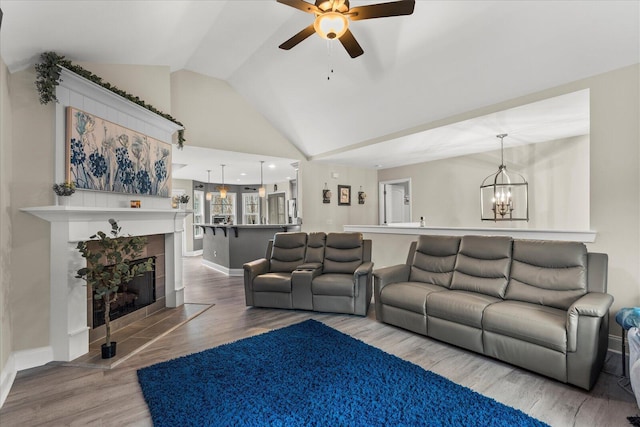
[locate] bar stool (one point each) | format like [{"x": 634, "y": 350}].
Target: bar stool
[{"x": 627, "y": 318}]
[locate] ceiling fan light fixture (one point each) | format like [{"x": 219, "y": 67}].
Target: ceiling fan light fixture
[{"x": 331, "y": 25}]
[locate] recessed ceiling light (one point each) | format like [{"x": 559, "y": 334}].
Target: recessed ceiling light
[
  {"x": 272, "y": 166},
  {"x": 243, "y": 174}
]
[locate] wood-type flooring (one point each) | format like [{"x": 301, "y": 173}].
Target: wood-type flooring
[{"x": 56, "y": 394}]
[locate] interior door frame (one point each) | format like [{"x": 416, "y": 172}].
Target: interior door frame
[{"x": 382, "y": 200}]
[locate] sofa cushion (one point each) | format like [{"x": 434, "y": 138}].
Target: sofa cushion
[
  {"x": 533, "y": 323},
  {"x": 333, "y": 284},
  {"x": 482, "y": 265},
  {"x": 288, "y": 251},
  {"x": 342, "y": 253},
  {"x": 434, "y": 259},
  {"x": 548, "y": 273},
  {"x": 272, "y": 282},
  {"x": 410, "y": 296},
  {"x": 315, "y": 247},
  {"x": 459, "y": 306}
]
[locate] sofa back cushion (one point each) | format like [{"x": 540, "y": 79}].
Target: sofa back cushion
[
  {"x": 482, "y": 265},
  {"x": 434, "y": 260},
  {"x": 548, "y": 273},
  {"x": 288, "y": 251},
  {"x": 343, "y": 253},
  {"x": 315, "y": 247}
]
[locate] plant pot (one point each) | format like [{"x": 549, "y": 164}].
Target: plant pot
[
  {"x": 108, "y": 351},
  {"x": 62, "y": 200}
]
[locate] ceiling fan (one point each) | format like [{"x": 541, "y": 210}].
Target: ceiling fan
[{"x": 332, "y": 20}]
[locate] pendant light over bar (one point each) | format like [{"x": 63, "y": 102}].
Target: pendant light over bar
[
  {"x": 208, "y": 196},
  {"x": 504, "y": 197},
  {"x": 262, "y": 191},
  {"x": 222, "y": 188}
]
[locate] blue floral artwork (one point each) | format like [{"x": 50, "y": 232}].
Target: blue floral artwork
[{"x": 104, "y": 156}]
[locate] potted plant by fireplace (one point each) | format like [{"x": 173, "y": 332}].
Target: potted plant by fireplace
[{"x": 109, "y": 266}]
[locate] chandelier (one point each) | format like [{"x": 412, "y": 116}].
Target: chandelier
[{"x": 504, "y": 197}]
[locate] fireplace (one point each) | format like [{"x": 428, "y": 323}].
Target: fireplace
[
  {"x": 134, "y": 295},
  {"x": 140, "y": 298}
]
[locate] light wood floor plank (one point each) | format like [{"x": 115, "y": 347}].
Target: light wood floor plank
[{"x": 64, "y": 395}]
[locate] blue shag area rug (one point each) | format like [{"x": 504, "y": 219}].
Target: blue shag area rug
[{"x": 309, "y": 374}]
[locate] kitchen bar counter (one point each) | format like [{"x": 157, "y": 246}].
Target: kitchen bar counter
[{"x": 227, "y": 247}]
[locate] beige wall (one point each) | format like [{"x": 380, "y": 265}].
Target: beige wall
[
  {"x": 6, "y": 170},
  {"x": 216, "y": 116},
  {"x": 318, "y": 216},
  {"x": 33, "y": 146},
  {"x": 447, "y": 192}
]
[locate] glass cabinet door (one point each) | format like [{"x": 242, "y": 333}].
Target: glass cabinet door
[{"x": 250, "y": 208}]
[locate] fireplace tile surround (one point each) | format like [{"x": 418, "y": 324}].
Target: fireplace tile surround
[{"x": 153, "y": 248}]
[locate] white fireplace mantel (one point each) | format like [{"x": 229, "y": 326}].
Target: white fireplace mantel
[
  {"x": 85, "y": 221},
  {"x": 70, "y": 224}
]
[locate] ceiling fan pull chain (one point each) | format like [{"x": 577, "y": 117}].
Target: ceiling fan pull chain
[{"x": 329, "y": 59}]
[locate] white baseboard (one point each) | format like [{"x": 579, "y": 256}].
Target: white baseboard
[
  {"x": 27, "y": 359},
  {"x": 7, "y": 377},
  {"x": 19, "y": 361},
  {"x": 234, "y": 272},
  {"x": 193, "y": 253}
]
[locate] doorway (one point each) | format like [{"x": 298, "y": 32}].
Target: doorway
[
  {"x": 276, "y": 208},
  {"x": 395, "y": 201}
]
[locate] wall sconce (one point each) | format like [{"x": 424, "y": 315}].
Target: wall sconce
[
  {"x": 361, "y": 196},
  {"x": 326, "y": 194}
]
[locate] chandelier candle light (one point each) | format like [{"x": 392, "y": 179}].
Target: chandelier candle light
[{"x": 499, "y": 193}]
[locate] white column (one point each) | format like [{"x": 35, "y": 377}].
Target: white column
[
  {"x": 174, "y": 287},
  {"x": 68, "y": 328}
]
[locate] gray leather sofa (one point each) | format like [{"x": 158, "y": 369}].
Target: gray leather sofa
[
  {"x": 317, "y": 271},
  {"x": 540, "y": 305}
]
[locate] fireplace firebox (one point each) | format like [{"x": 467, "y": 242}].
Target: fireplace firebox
[{"x": 134, "y": 295}]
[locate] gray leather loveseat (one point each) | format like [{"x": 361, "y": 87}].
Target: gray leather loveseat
[
  {"x": 317, "y": 271},
  {"x": 540, "y": 305}
]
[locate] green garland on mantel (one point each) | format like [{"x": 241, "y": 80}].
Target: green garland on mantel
[{"x": 49, "y": 77}]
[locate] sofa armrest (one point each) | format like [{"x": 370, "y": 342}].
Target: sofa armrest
[
  {"x": 395, "y": 273},
  {"x": 363, "y": 269},
  {"x": 301, "y": 279},
  {"x": 257, "y": 267},
  {"x": 252, "y": 270},
  {"x": 593, "y": 304}
]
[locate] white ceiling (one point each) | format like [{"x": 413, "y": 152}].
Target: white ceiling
[{"x": 448, "y": 58}]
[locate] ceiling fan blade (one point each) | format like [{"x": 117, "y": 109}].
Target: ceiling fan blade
[
  {"x": 301, "y": 5},
  {"x": 351, "y": 44},
  {"x": 381, "y": 10},
  {"x": 298, "y": 38}
]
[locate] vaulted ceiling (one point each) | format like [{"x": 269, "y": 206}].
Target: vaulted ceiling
[{"x": 448, "y": 58}]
